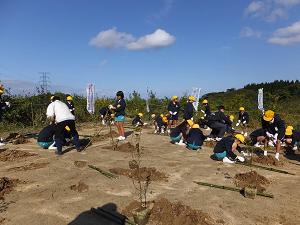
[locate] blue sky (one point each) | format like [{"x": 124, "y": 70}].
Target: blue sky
[{"x": 166, "y": 45}]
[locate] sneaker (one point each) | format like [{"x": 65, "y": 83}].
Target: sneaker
[
  {"x": 181, "y": 143},
  {"x": 52, "y": 148},
  {"x": 265, "y": 153},
  {"x": 2, "y": 144},
  {"x": 122, "y": 138},
  {"x": 155, "y": 132},
  {"x": 295, "y": 148},
  {"x": 227, "y": 160}
]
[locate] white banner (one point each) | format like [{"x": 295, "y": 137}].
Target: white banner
[
  {"x": 260, "y": 99},
  {"x": 196, "y": 94},
  {"x": 90, "y": 98},
  {"x": 147, "y": 101}
]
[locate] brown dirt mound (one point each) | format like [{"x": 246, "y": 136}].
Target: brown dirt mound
[
  {"x": 210, "y": 144},
  {"x": 12, "y": 155},
  {"x": 166, "y": 213},
  {"x": 6, "y": 186},
  {"x": 16, "y": 138},
  {"x": 144, "y": 171},
  {"x": 80, "y": 187},
  {"x": 31, "y": 166},
  {"x": 267, "y": 160},
  {"x": 251, "y": 179},
  {"x": 80, "y": 164},
  {"x": 125, "y": 147},
  {"x": 102, "y": 137}
]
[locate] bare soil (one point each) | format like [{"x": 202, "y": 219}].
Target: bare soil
[
  {"x": 80, "y": 187},
  {"x": 13, "y": 155},
  {"x": 45, "y": 197},
  {"x": 154, "y": 174},
  {"x": 268, "y": 160},
  {"x": 102, "y": 137},
  {"x": 165, "y": 212},
  {"x": 31, "y": 166},
  {"x": 125, "y": 147},
  {"x": 6, "y": 186},
  {"x": 251, "y": 179}
]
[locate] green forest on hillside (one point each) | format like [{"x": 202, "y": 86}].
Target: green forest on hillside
[{"x": 281, "y": 96}]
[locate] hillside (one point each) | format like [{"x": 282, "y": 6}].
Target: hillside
[{"x": 281, "y": 96}]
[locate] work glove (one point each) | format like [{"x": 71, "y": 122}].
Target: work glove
[
  {"x": 110, "y": 107},
  {"x": 245, "y": 122},
  {"x": 237, "y": 124},
  {"x": 204, "y": 115},
  {"x": 227, "y": 160},
  {"x": 269, "y": 134},
  {"x": 240, "y": 158},
  {"x": 277, "y": 156},
  {"x": 275, "y": 137},
  {"x": 174, "y": 113},
  {"x": 171, "y": 113},
  {"x": 202, "y": 111},
  {"x": 244, "y": 153}
]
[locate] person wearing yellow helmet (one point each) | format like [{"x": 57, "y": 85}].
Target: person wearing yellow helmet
[
  {"x": 161, "y": 122},
  {"x": 271, "y": 133},
  {"x": 138, "y": 121},
  {"x": 189, "y": 108},
  {"x": 225, "y": 149},
  {"x": 219, "y": 123},
  {"x": 195, "y": 138},
  {"x": 292, "y": 140},
  {"x": 243, "y": 118},
  {"x": 178, "y": 134},
  {"x": 173, "y": 108},
  {"x": 206, "y": 110},
  {"x": 2, "y": 89},
  {"x": 70, "y": 104}
]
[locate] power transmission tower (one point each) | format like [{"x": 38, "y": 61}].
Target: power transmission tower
[{"x": 44, "y": 82}]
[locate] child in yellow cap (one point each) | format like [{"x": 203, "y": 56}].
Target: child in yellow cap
[
  {"x": 178, "y": 134},
  {"x": 195, "y": 138}
]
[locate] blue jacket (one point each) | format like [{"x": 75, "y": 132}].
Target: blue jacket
[
  {"x": 226, "y": 145},
  {"x": 120, "y": 107},
  {"x": 278, "y": 126},
  {"x": 195, "y": 136},
  {"x": 174, "y": 107},
  {"x": 188, "y": 111}
]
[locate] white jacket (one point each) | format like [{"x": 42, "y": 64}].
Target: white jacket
[{"x": 59, "y": 111}]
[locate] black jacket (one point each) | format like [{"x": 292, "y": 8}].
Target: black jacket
[
  {"x": 46, "y": 134},
  {"x": 195, "y": 136},
  {"x": 278, "y": 126},
  {"x": 220, "y": 117},
  {"x": 188, "y": 111},
  {"x": 180, "y": 129},
  {"x": 207, "y": 109},
  {"x": 243, "y": 117},
  {"x": 226, "y": 145},
  {"x": 120, "y": 111},
  {"x": 71, "y": 107},
  {"x": 295, "y": 137},
  {"x": 136, "y": 120},
  {"x": 174, "y": 107}
]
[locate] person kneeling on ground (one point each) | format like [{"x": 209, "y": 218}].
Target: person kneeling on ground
[
  {"x": 224, "y": 149},
  {"x": 161, "y": 124},
  {"x": 59, "y": 112},
  {"x": 195, "y": 138},
  {"x": 137, "y": 121},
  {"x": 46, "y": 137},
  {"x": 179, "y": 134},
  {"x": 105, "y": 115},
  {"x": 292, "y": 140},
  {"x": 219, "y": 123}
]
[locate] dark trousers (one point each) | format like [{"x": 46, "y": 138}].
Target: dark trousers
[
  {"x": 255, "y": 134},
  {"x": 60, "y": 134},
  {"x": 218, "y": 129}
]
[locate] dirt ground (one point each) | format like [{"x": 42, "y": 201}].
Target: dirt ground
[{"x": 61, "y": 190}]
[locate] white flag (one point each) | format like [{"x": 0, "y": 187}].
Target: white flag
[
  {"x": 260, "y": 99},
  {"x": 196, "y": 94},
  {"x": 90, "y": 98}
]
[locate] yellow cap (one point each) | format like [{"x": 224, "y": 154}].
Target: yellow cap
[
  {"x": 67, "y": 128},
  {"x": 174, "y": 97},
  {"x": 140, "y": 114},
  {"x": 195, "y": 126},
  {"x": 242, "y": 109},
  {"x": 52, "y": 97},
  {"x": 1, "y": 91},
  {"x": 165, "y": 119},
  {"x": 240, "y": 137},
  {"x": 288, "y": 132},
  {"x": 204, "y": 101},
  {"x": 69, "y": 98},
  {"x": 192, "y": 98},
  {"x": 269, "y": 115},
  {"x": 190, "y": 122},
  {"x": 290, "y": 127},
  {"x": 153, "y": 116},
  {"x": 162, "y": 115},
  {"x": 231, "y": 117}
]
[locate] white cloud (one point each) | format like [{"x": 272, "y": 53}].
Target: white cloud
[
  {"x": 158, "y": 39},
  {"x": 248, "y": 32},
  {"x": 270, "y": 10},
  {"x": 114, "y": 39},
  {"x": 111, "y": 38},
  {"x": 287, "y": 35}
]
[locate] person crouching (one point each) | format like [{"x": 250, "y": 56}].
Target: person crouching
[
  {"x": 137, "y": 121},
  {"x": 179, "y": 134},
  {"x": 195, "y": 138},
  {"x": 226, "y": 148}
]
